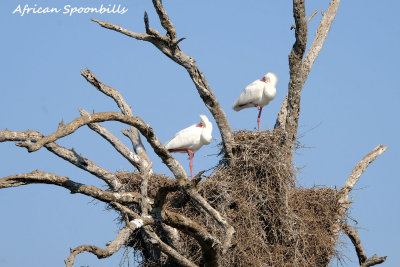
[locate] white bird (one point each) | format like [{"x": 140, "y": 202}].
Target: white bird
[
  {"x": 191, "y": 139},
  {"x": 257, "y": 94}
]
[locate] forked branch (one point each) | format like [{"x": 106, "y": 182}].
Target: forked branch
[
  {"x": 362, "y": 257},
  {"x": 289, "y": 113},
  {"x": 344, "y": 204}
]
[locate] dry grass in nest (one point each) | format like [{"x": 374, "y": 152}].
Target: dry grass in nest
[{"x": 276, "y": 223}]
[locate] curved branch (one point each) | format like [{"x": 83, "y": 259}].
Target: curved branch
[
  {"x": 64, "y": 153},
  {"x": 358, "y": 170},
  {"x": 322, "y": 32},
  {"x": 39, "y": 177},
  {"x": 132, "y": 133},
  {"x": 355, "y": 239}
]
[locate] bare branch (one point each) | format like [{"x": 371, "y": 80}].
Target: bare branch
[
  {"x": 138, "y": 36},
  {"x": 144, "y": 200},
  {"x": 115, "y": 245},
  {"x": 362, "y": 257},
  {"x": 39, "y": 177},
  {"x": 281, "y": 119},
  {"x": 322, "y": 32},
  {"x": 164, "y": 19},
  {"x": 374, "y": 260},
  {"x": 125, "y": 210},
  {"x": 312, "y": 15},
  {"x": 308, "y": 20},
  {"x": 297, "y": 78},
  {"x": 64, "y": 153},
  {"x": 126, "y": 110},
  {"x": 181, "y": 260},
  {"x": 172, "y": 237},
  {"x": 358, "y": 170},
  {"x": 355, "y": 239}
]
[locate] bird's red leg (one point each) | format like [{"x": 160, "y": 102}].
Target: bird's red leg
[
  {"x": 190, "y": 153},
  {"x": 259, "y": 116}
]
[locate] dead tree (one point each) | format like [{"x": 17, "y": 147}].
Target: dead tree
[{"x": 248, "y": 212}]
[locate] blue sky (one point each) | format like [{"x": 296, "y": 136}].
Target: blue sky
[{"x": 351, "y": 96}]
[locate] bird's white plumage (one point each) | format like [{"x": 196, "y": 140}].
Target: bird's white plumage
[
  {"x": 193, "y": 137},
  {"x": 257, "y": 93}
]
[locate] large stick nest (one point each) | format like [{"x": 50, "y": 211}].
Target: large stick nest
[{"x": 276, "y": 223}]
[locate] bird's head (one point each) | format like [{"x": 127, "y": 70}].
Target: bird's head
[
  {"x": 205, "y": 123},
  {"x": 207, "y": 128},
  {"x": 271, "y": 78}
]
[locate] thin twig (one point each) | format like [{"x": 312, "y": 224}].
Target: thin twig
[{"x": 308, "y": 20}]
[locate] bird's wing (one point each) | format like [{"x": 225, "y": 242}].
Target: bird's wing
[
  {"x": 185, "y": 138},
  {"x": 251, "y": 95}
]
